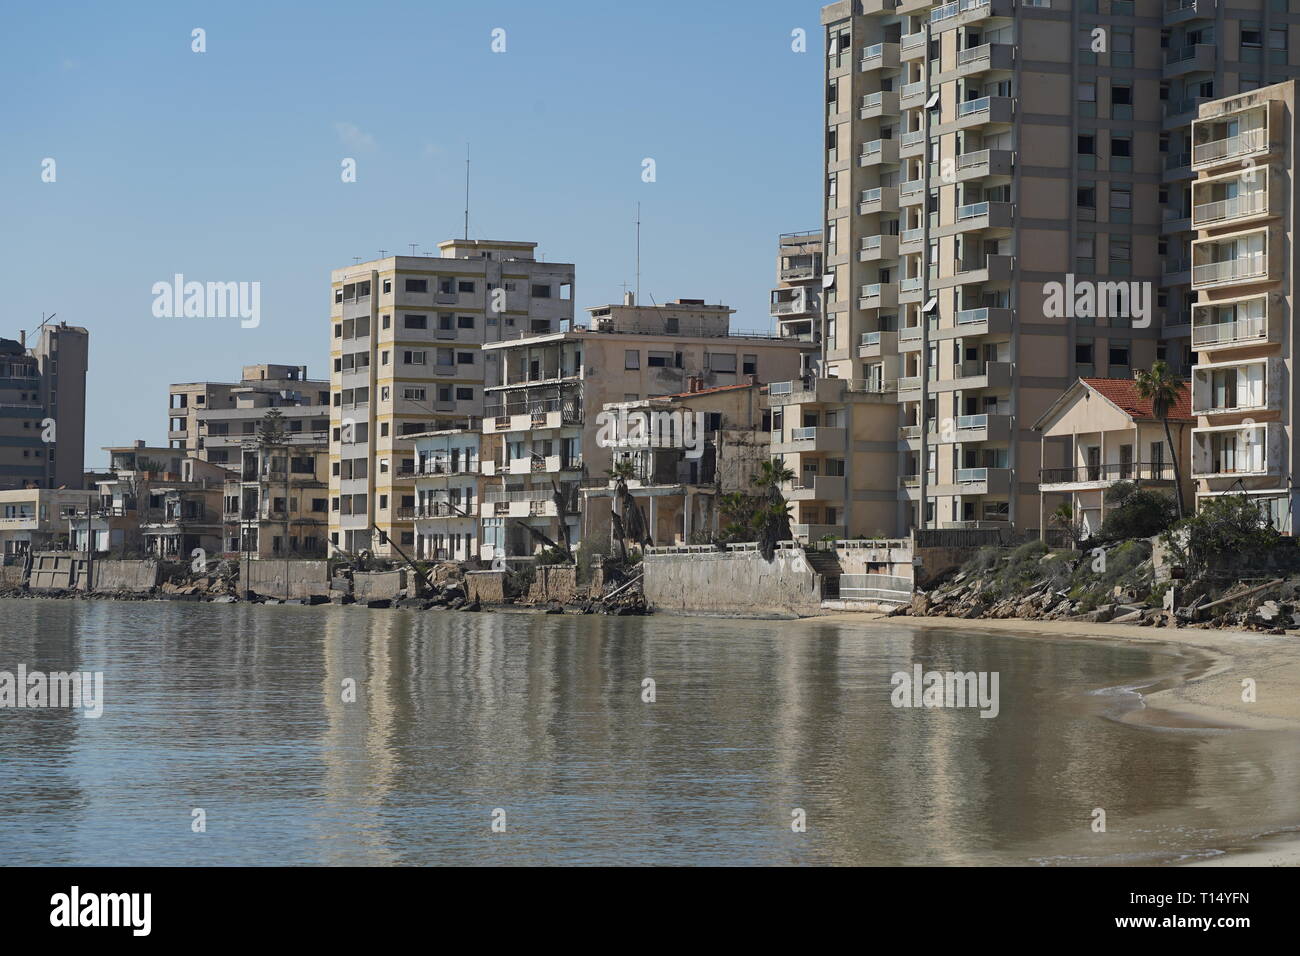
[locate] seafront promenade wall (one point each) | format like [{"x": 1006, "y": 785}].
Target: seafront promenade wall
[
  {"x": 291, "y": 579},
  {"x": 703, "y": 579}
]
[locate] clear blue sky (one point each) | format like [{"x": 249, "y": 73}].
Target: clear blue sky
[{"x": 225, "y": 165}]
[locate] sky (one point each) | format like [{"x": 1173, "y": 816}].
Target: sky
[{"x": 225, "y": 165}]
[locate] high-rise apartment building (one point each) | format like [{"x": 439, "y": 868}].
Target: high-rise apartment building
[
  {"x": 1008, "y": 208},
  {"x": 43, "y": 408},
  {"x": 1243, "y": 265},
  {"x": 407, "y": 337}
]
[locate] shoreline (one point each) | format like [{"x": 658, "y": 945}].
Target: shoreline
[{"x": 1210, "y": 697}]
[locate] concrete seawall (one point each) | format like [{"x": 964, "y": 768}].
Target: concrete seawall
[{"x": 708, "y": 581}]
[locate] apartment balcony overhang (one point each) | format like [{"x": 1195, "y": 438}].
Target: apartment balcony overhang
[
  {"x": 821, "y": 391},
  {"x": 979, "y": 216},
  {"x": 912, "y": 46},
  {"x": 879, "y": 151},
  {"x": 878, "y": 295},
  {"x": 1214, "y": 146},
  {"x": 974, "y": 374},
  {"x": 1256, "y": 450},
  {"x": 878, "y": 344},
  {"x": 878, "y": 200},
  {"x": 878, "y": 248},
  {"x": 1177, "y": 166},
  {"x": 1194, "y": 58},
  {"x": 909, "y": 338},
  {"x": 1247, "y": 398},
  {"x": 912, "y": 95},
  {"x": 911, "y": 143},
  {"x": 973, "y": 322},
  {"x": 1231, "y": 200},
  {"x": 812, "y": 439},
  {"x": 881, "y": 56},
  {"x": 982, "y": 59},
  {"x": 787, "y": 303},
  {"x": 976, "y": 428},
  {"x": 878, "y": 104},
  {"x": 1100, "y": 477},
  {"x": 1256, "y": 323},
  {"x": 983, "y": 111},
  {"x": 982, "y": 163},
  {"x": 1217, "y": 262},
  {"x": 975, "y": 481},
  {"x": 818, "y": 488},
  {"x": 977, "y": 269},
  {"x": 1184, "y": 11}
]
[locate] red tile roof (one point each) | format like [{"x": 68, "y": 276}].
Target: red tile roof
[{"x": 1123, "y": 392}]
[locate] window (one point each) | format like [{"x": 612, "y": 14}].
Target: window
[
  {"x": 1086, "y": 196},
  {"x": 387, "y": 321},
  {"x": 413, "y": 394},
  {"x": 464, "y": 286},
  {"x": 464, "y": 394},
  {"x": 631, "y": 358},
  {"x": 388, "y": 286},
  {"x": 1083, "y": 352},
  {"x": 417, "y": 285},
  {"x": 1118, "y": 354},
  {"x": 749, "y": 365},
  {"x": 1087, "y": 96},
  {"x": 1121, "y": 145},
  {"x": 541, "y": 291},
  {"x": 659, "y": 360},
  {"x": 464, "y": 358},
  {"x": 1085, "y": 253},
  {"x": 416, "y": 321},
  {"x": 464, "y": 321},
  {"x": 413, "y": 358},
  {"x": 721, "y": 362}
]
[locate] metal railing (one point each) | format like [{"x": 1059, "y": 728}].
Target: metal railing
[
  {"x": 1241, "y": 330},
  {"x": 1115, "y": 471},
  {"x": 1245, "y": 142},
  {"x": 1247, "y": 204},
  {"x": 1245, "y": 267}
]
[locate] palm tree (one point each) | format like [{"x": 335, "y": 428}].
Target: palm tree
[
  {"x": 626, "y": 521},
  {"x": 1162, "y": 388},
  {"x": 772, "y": 518}
]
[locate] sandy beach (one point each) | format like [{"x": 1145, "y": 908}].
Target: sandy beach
[{"x": 1211, "y": 696}]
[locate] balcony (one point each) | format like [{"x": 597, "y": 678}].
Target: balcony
[
  {"x": 973, "y": 428},
  {"x": 877, "y": 248},
  {"x": 981, "y": 321},
  {"x": 879, "y": 151},
  {"x": 1244, "y": 322},
  {"x": 1230, "y": 201},
  {"x": 878, "y": 200},
  {"x": 984, "y": 111},
  {"x": 1237, "y": 388},
  {"x": 976, "y": 268},
  {"x": 817, "y": 488},
  {"x": 912, "y": 46},
  {"x": 876, "y": 105},
  {"x": 976, "y": 481},
  {"x": 911, "y": 143},
  {"x": 882, "y": 56},
  {"x": 1182, "y": 11},
  {"x": 961, "y": 12},
  {"x": 877, "y": 295},
  {"x": 788, "y": 303},
  {"x": 980, "y": 59},
  {"x": 1236, "y": 451},
  {"x": 912, "y": 95},
  {"x": 984, "y": 162},
  {"x": 821, "y": 391},
  {"x": 985, "y": 215},
  {"x": 975, "y": 373},
  {"x": 878, "y": 345},
  {"x": 811, "y": 439},
  {"x": 1088, "y": 477},
  {"x": 1221, "y": 264},
  {"x": 1223, "y": 140},
  {"x": 1196, "y": 58}
]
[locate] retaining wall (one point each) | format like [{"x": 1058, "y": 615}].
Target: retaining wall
[
  {"x": 731, "y": 582},
  {"x": 268, "y": 578}
]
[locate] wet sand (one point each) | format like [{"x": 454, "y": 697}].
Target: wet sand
[{"x": 1210, "y": 696}]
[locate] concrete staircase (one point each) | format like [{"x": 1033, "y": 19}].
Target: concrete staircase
[{"x": 827, "y": 564}]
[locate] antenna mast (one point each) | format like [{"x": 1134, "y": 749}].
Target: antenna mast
[
  {"x": 467, "y": 192},
  {"x": 638, "y": 253}
]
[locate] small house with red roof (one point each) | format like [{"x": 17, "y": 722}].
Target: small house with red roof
[{"x": 1100, "y": 432}]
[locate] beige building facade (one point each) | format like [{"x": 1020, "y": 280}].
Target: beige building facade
[{"x": 408, "y": 337}]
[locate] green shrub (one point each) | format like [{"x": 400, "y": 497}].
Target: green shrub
[{"x": 1137, "y": 512}]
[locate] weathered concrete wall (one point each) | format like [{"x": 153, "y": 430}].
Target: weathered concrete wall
[
  {"x": 378, "y": 585},
  {"x": 126, "y": 575},
  {"x": 304, "y": 578},
  {"x": 555, "y": 583},
  {"x": 11, "y": 575},
  {"x": 731, "y": 582},
  {"x": 488, "y": 587},
  {"x": 57, "y": 570}
]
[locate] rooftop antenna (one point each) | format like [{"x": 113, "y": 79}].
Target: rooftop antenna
[
  {"x": 467, "y": 192},
  {"x": 383, "y": 253},
  {"x": 356, "y": 260},
  {"x": 44, "y": 320},
  {"x": 413, "y": 246},
  {"x": 638, "y": 253}
]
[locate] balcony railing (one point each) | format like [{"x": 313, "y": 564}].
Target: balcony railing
[
  {"x": 1247, "y": 142},
  {"x": 1220, "y": 333},
  {"x": 1244, "y": 267},
  {"x": 1115, "y": 471},
  {"x": 1247, "y": 204}
]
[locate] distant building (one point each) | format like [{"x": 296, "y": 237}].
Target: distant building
[
  {"x": 43, "y": 408},
  {"x": 276, "y": 501},
  {"x": 407, "y": 347},
  {"x": 797, "y": 298},
  {"x": 447, "y": 496},
  {"x": 542, "y": 422},
  {"x": 213, "y": 420},
  {"x": 36, "y": 519}
]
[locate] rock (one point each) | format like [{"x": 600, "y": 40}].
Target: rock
[
  {"x": 379, "y": 603},
  {"x": 1132, "y": 617}
]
